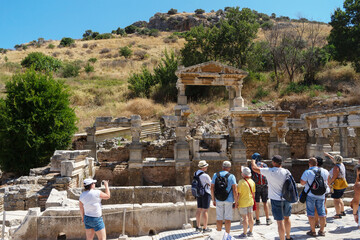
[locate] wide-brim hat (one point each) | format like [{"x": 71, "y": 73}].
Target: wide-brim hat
[
  {"x": 89, "y": 181},
  {"x": 338, "y": 159},
  {"x": 203, "y": 164}
]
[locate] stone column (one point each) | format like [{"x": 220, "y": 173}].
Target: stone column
[
  {"x": 91, "y": 142},
  {"x": 344, "y": 142},
  {"x": 357, "y": 139},
  {"x": 238, "y": 102},
  {"x": 278, "y": 129},
  {"x": 232, "y": 95},
  {"x": 181, "y": 99},
  {"x": 322, "y": 144},
  {"x": 135, "y": 152},
  {"x": 181, "y": 152}
]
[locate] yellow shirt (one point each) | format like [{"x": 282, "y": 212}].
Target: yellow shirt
[{"x": 245, "y": 196}]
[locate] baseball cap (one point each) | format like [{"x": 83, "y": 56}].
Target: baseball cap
[
  {"x": 256, "y": 156},
  {"x": 89, "y": 181},
  {"x": 226, "y": 164}
]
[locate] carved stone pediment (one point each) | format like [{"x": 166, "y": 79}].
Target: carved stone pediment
[{"x": 211, "y": 73}]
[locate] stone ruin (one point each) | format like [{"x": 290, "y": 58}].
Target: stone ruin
[{"x": 150, "y": 179}]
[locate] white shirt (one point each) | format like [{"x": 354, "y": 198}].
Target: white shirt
[
  {"x": 276, "y": 178},
  {"x": 92, "y": 203},
  {"x": 309, "y": 177},
  {"x": 205, "y": 180}
]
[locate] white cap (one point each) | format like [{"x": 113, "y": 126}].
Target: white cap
[{"x": 89, "y": 181}]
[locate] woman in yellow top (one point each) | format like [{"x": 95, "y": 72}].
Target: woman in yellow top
[{"x": 246, "y": 201}]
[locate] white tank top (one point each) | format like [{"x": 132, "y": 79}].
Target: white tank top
[{"x": 92, "y": 203}]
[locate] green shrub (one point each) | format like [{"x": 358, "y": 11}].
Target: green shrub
[
  {"x": 261, "y": 93},
  {"x": 89, "y": 68},
  {"x": 41, "y": 62},
  {"x": 125, "y": 51},
  {"x": 119, "y": 31},
  {"x": 104, "y": 36},
  {"x": 172, "y": 11},
  {"x": 140, "y": 83},
  {"x": 92, "y": 60},
  {"x": 3, "y": 50},
  {"x": 154, "y": 33},
  {"x": 51, "y": 46},
  {"x": 6, "y": 59},
  {"x": 36, "y": 119},
  {"x": 71, "y": 69},
  {"x": 199, "y": 11},
  {"x": 130, "y": 29},
  {"x": 66, "y": 42}
]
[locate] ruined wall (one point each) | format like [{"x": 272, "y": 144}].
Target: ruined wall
[
  {"x": 118, "y": 154},
  {"x": 165, "y": 149},
  {"x": 256, "y": 142},
  {"x": 297, "y": 139}
]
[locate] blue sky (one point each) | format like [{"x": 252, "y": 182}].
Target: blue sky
[{"x": 22, "y": 21}]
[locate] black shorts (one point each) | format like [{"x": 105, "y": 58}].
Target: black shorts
[
  {"x": 261, "y": 191},
  {"x": 204, "y": 201}
]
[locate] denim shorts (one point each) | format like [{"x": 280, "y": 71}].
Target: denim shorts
[
  {"x": 338, "y": 193},
  {"x": 95, "y": 223},
  {"x": 204, "y": 201},
  {"x": 280, "y": 209},
  {"x": 224, "y": 210},
  {"x": 312, "y": 203}
]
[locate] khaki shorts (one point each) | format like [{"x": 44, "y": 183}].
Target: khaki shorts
[
  {"x": 245, "y": 210},
  {"x": 224, "y": 210}
]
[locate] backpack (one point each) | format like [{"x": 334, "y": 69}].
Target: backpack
[
  {"x": 289, "y": 190},
  {"x": 197, "y": 188},
  {"x": 318, "y": 185},
  {"x": 221, "y": 184},
  {"x": 258, "y": 178}
]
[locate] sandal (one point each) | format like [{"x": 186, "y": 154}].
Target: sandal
[
  {"x": 343, "y": 214},
  {"x": 321, "y": 233},
  {"x": 310, "y": 233},
  {"x": 337, "y": 216}
]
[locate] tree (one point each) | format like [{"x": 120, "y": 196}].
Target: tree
[
  {"x": 35, "y": 119},
  {"x": 41, "y": 62},
  {"x": 345, "y": 33},
  {"x": 130, "y": 29},
  {"x": 66, "y": 41},
  {"x": 229, "y": 43},
  {"x": 199, "y": 11}
]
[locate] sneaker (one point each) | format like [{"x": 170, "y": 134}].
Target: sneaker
[
  {"x": 197, "y": 229},
  {"x": 268, "y": 221},
  {"x": 243, "y": 235},
  {"x": 343, "y": 214},
  {"x": 257, "y": 222},
  {"x": 206, "y": 230},
  {"x": 250, "y": 234}
]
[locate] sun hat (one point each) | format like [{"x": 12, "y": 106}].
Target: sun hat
[
  {"x": 338, "y": 159},
  {"x": 246, "y": 171},
  {"x": 203, "y": 164},
  {"x": 89, "y": 181},
  {"x": 226, "y": 164}
]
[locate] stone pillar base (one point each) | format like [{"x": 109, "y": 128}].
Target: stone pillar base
[
  {"x": 314, "y": 150},
  {"x": 135, "y": 174},
  {"x": 278, "y": 148},
  {"x": 135, "y": 153},
  {"x": 238, "y": 153},
  {"x": 183, "y": 175},
  {"x": 181, "y": 151}
]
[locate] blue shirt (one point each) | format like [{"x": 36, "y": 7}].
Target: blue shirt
[
  {"x": 231, "y": 181},
  {"x": 309, "y": 177}
]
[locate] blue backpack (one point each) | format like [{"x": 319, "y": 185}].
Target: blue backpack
[
  {"x": 289, "y": 190},
  {"x": 197, "y": 188}
]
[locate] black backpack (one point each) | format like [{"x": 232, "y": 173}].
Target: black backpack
[
  {"x": 197, "y": 188},
  {"x": 318, "y": 186},
  {"x": 221, "y": 184},
  {"x": 289, "y": 190}
]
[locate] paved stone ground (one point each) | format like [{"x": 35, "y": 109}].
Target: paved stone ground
[{"x": 344, "y": 228}]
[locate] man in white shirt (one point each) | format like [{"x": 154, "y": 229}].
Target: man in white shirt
[
  {"x": 315, "y": 201},
  {"x": 281, "y": 209},
  {"x": 203, "y": 202}
]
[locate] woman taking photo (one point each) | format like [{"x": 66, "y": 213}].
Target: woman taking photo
[{"x": 90, "y": 209}]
